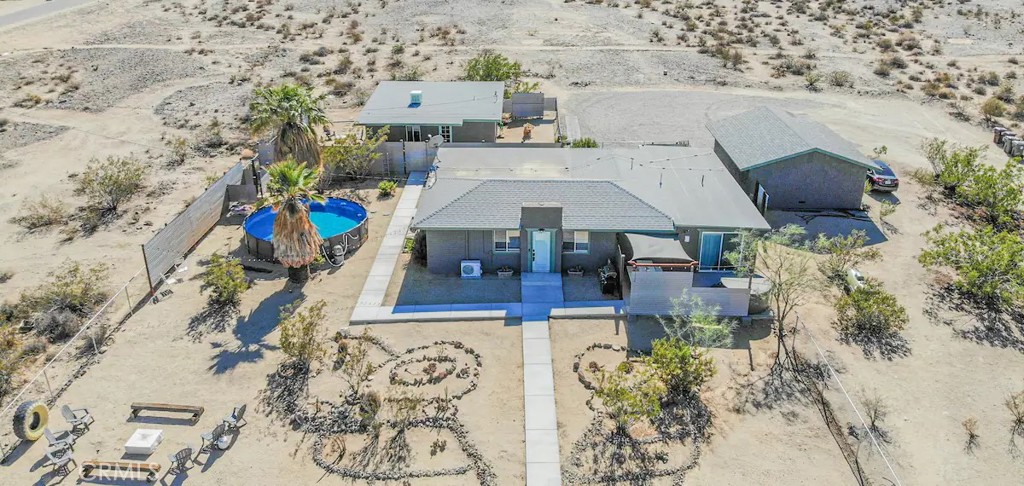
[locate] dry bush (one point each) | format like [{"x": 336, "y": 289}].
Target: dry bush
[
  {"x": 971, "y": 427},
  {"x": 1015, "y": 404},
  {"x": 41, "y": 213},
  {"x": 108, "y": 184},
  {"x": 840, "y": 79},
  {"x": 875, "y": 410}
]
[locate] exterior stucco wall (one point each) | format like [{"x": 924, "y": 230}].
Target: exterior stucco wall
[
  {"x": 468, "y": 132},
  {"x": 811, "y": 181},
  {"x": 446, "y": 249},
  {"x": 602, "y": 247}
]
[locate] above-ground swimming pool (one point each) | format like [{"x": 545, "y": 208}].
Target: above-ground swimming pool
[{"x": 341, "y": 223}]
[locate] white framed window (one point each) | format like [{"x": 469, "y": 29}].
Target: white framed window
[
  {"x": 506, "y": 240},
  {"x": 413, "y": 133},
  {"x": 575, "y": 242},
  {"x": 446, "y": 133},
  {"x": 714, "y": 246}
]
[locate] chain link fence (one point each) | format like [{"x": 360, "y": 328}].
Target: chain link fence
[{"x": 61, "y": 366}]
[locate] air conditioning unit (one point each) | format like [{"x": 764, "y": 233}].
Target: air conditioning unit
[{"x": 470, "y": 268}]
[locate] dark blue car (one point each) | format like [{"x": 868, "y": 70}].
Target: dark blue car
[{"x": 883, "y": 178}]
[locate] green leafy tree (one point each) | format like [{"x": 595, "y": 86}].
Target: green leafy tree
[
  {"x": 290, "y": 113},
  {"x": 109, "y": 184},
  {"x": 841, "y": 252},
  {"x": 697, "y": 323},
  {"x": 354, "y": 157},
  {"x": 630, "y": 395},
  {"x": 683, "y": 368},
  {"x": 296, "y": 240},
  {"x": 999, "y": 193},
  {"x": 988, "y": 262},
  {"x": 491, "y": 66},
  {"x": 954, "y": 165},
  {"x": 302, "y": 333},
  {"x": 225, "y": 279},
  {"x": 869, "y": 312}
]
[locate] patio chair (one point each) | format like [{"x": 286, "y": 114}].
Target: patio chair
[
  {"x": 210, "y": 439},
  {"x": 62, "y": 440},
  {"x": 77, "y": 417},
  {"x": 237, "y": 417},
  {"x": 181, "y": 459},
  {"x": 60, "y": 460}
]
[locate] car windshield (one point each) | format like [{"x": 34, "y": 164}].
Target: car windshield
[{"x": 883, "y": 169}]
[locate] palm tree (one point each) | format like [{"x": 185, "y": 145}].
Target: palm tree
[
  {"x": 296, "y": 240},
  {"x": 290, "y": 113}
]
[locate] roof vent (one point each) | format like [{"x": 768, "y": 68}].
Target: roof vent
[{"x": 415, "y": 98}]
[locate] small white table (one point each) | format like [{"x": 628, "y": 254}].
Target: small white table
[{"x": 144, "y": 441}]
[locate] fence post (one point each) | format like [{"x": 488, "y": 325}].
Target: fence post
[
  {"x": 48, "y": 387},
  {"x": 131, "y": 308}
]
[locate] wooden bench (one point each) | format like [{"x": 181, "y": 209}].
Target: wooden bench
[
  {"x": 167, "y": 407},
  {"x": 121, "y": 470}
]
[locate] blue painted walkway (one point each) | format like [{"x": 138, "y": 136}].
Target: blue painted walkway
[{"x": 541, "y": 293}]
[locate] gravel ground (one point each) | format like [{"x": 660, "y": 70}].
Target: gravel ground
[
  {"x": 192, "y": 107},
  {"x": 19, "y": 134},
  {"x": 111, "y": 75}
]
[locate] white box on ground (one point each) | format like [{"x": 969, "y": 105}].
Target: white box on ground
[{"x": 144, "y": 441}]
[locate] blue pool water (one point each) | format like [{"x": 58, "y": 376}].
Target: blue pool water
[{"x": 332, "y": 218}]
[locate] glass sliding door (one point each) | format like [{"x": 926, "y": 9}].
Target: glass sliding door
[{"x": 714, "y": 247}]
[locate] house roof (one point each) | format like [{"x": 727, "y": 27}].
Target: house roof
[
  {"x": 442, "y": 103},
  {"x": 690, "y": 185},
  {"x": 766, "y": 135},
  {"x": 497, "y": 203}
]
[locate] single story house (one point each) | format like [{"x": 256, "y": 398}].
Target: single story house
[
  {"x": 551, "y": 209},
  {"x": 458, "y": 111},
  {"x": 785, "y": 161}
]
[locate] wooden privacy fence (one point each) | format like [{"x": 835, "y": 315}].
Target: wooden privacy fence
[{"x": 184, "y": 232}]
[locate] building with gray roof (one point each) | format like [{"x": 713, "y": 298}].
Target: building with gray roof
[
  {"x": 549, "y": 209},
  {"x": 415, "y": 111},
  {"x": 785, "y": 161}
]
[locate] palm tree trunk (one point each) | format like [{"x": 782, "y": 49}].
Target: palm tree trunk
[{"x": 298, "y": 275}]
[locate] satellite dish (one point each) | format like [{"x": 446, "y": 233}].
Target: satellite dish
[{"x": 435, "y": 141}]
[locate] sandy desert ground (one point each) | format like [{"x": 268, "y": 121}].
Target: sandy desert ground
[{"x": 113, "y": 78}]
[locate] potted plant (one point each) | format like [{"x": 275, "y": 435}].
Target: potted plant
[
  {"x": 576, "y": 271},
  {"x": 504, "y": 271}
]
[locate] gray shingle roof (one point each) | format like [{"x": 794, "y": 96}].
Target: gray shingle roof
[
  {"x": 690, "y": 185},
  {"x": 497, "y": 203},
  {"x": 766, "y": 135},
  {"x": 443, "y": 103}
]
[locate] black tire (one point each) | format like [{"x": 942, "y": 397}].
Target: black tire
[{"x": 30, "y": 419}]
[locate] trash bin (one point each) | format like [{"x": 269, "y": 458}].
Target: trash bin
[{"x": 997, "y": 134}]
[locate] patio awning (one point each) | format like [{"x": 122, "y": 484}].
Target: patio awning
[{"x": 653, "y": 248}]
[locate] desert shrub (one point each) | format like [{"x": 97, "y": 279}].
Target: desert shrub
[
  {"x": 869, "y": 312},
  {"x": 987, "y": 262},
  {"x": 997, "y": 193},
  {"x": 629, "y": 398},
  {"x": 970, "y": 425},
  {"x": 875, "y": 410},
  {"x": 840, "y": 79},
  {"x": 886, "y": 209},
  {"x": 697, "y": 323},
  {"x": 353, "y": 157},
  {"x": 954, "y": 165},
  {"x": 56, "y": 325},
  {"x": 5, "y": 275},
  {"x": 10, "y": 360},
  {"x": 683, "y": 368},
  {"x": 369, "y": 405},
  {"x": 993, "y": 108},
  {"x": 386, "y": 188},
  {"x": 1015, "y": 404},
  {"x": 585, "y": 142},
  {"x": 225, "y": 279},
  {"x": 813, "y": 80},
  {"x": 42, "y": 212},
  {"x": 108, "y": 184},
  {"x": 302, "y": 333},
  {"x": 793, "y": 66},
  {"x": 419, "y": 248},
  {"x": 76, "y": 288},
  {"x": 179, "y": 150},
  {"x": 841, "y": 252}
]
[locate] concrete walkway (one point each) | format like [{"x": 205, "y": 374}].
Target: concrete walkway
[
  {"x": 376, "y": 285},
  {"x": 541, "y": 292}
]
